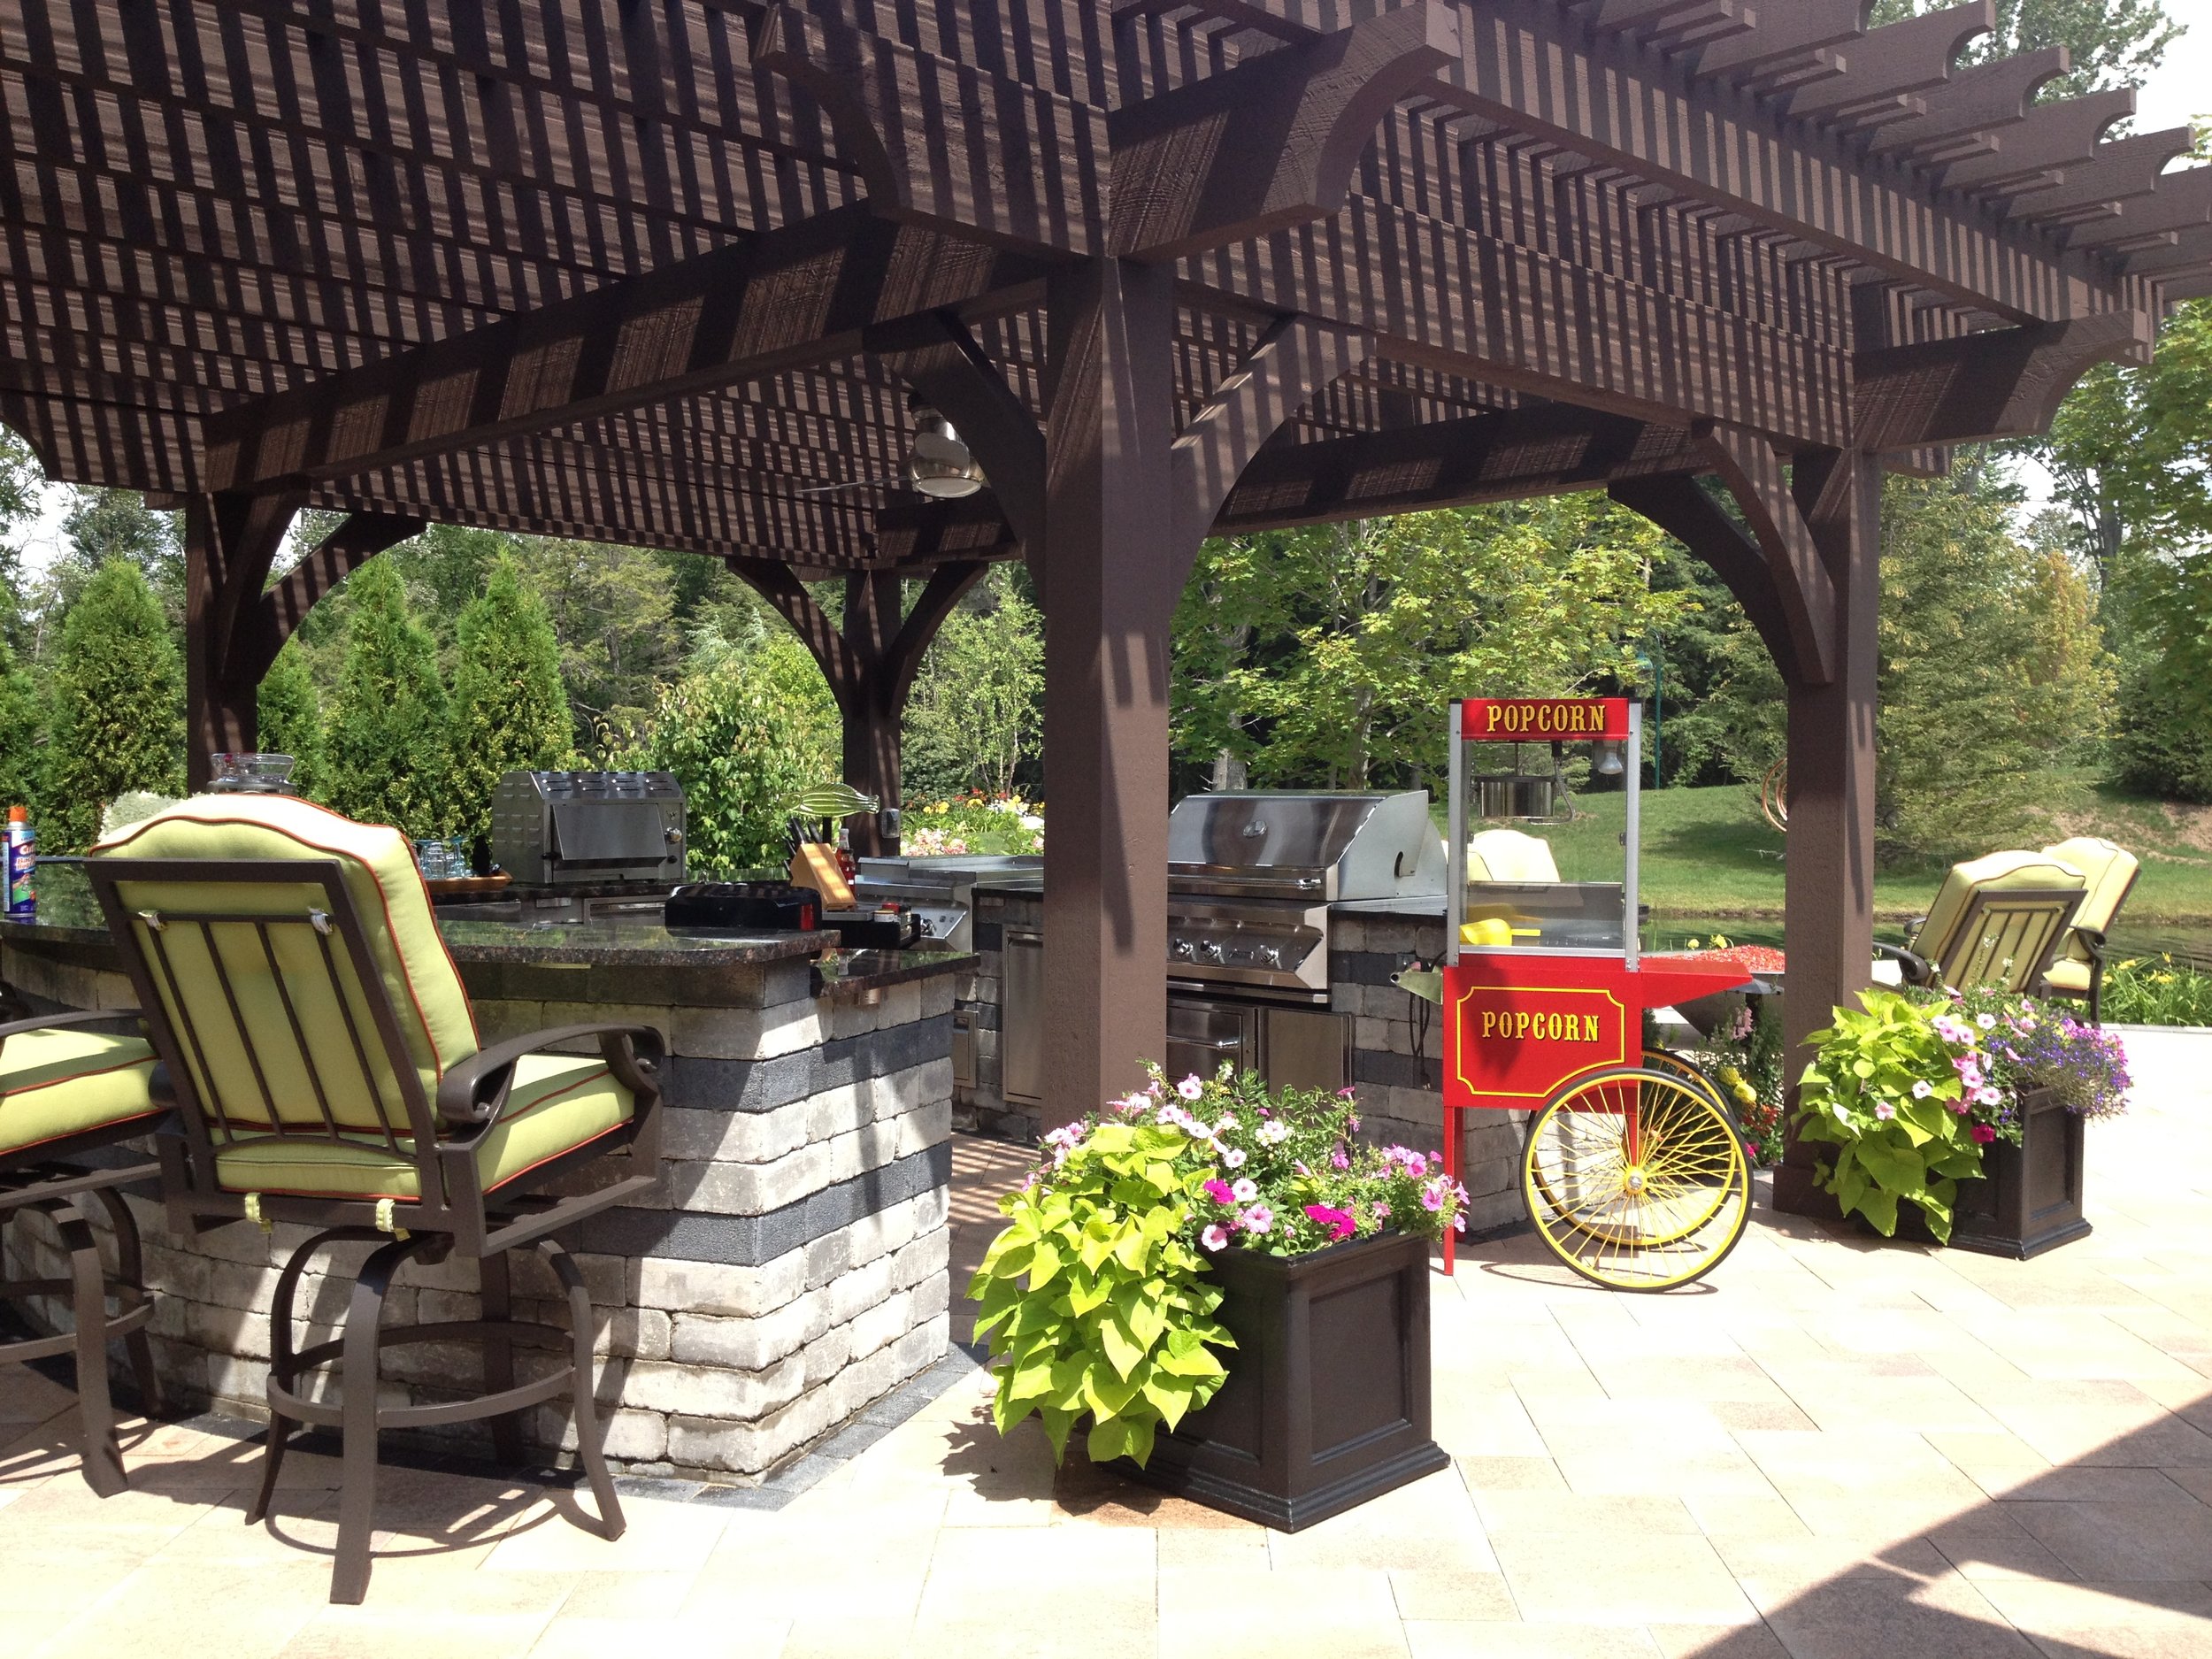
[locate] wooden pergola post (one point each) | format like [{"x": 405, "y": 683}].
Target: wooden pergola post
[
  {"x": 1828, "y": 882},
  {"x": 1115, "y": 557}
]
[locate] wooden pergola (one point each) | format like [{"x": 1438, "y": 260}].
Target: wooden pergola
[{"x": 649, "y": 271}]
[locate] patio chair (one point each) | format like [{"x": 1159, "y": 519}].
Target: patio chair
[
  {"x": 67, "y": 1091},
  {"x": 1995, "y": 922},
  {"x": 2077, "y": 969},
  {"x": 1508, "y": 856},
  {"x": 320, "y": 1048}
]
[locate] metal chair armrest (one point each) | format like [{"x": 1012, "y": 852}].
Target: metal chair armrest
[
  {"x": 1917, "y": 969},
  {"x": 2095, "y": 939},
  {"x": 84, "y": 1016},
  {"x": 633, "y": 1053}
]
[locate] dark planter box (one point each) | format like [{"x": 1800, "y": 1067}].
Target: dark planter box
[
  {"x": 1326, "y": 1404},
  {"x": 2029, "y": 1200}
]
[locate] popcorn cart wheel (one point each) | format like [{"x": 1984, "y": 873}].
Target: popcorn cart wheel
[
  {"x": 1636, "y": 1180},
  {"x": 1635, "y": 1174}
]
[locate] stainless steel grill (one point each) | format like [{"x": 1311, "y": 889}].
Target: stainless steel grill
[
  {"x": 553, "y": 829},
  {"x": 1251, "y": 876}
]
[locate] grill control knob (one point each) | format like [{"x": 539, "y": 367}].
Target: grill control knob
[
  {"x": 1214, "y": 953},
  {"x": 1273, "y": 956},
  {"x": 1182, "y": 950}
]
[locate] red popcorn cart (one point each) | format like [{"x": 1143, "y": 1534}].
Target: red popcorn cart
[{"x": 1633, "y": 1172}]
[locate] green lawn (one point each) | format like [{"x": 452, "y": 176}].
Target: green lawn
[{"x": 1709, "y": 854}]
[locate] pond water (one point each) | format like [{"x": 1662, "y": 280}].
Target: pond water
[{"x": 2187, "y": 943}]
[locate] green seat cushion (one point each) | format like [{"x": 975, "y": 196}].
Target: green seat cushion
[
  {"x": 2110, "y": 872},
  {"x": 386, "y": 890},
  {"x": 558, "y": 1102},
  {"x": 2069, "y": 975},
  {"x": 58, "y": 1084},
  {"x": 1939, "y": 939}
]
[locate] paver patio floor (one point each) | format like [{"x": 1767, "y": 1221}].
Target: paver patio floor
[{"x": 1832, "y": 1448}]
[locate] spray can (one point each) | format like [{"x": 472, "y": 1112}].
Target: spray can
[{"x": 22, "y": 864}]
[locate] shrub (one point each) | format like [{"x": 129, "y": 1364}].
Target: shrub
[
  {"x": 291, "y": 719},
  {"x": 116, "y": 715},
  {"x": 746, "y": 732},
  {"x": 385, "y": 743},
  {"x": 509, "y": 711}
]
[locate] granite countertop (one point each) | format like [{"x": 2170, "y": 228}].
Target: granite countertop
[{"x": 68, "y": 915}]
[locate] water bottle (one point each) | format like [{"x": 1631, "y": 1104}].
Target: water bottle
[{"x": 22, "y": 864}]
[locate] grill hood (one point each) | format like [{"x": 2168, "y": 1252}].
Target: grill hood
[{"x": 1328, "y": 846}]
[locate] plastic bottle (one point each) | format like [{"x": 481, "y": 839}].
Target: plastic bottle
[{"x": 22, "y": 864}]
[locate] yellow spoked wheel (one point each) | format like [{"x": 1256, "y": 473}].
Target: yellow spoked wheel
[
  {"x": 1673, "y": 1064},
  {"x": 1637, "y": 1179}
]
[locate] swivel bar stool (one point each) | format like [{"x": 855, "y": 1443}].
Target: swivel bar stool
[{"x": 323, "y": 1058}]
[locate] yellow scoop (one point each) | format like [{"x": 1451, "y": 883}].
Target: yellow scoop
[{"x": 1493, "y": 932}]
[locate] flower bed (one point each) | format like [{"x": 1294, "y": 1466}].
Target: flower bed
[{"x": 972, "y": 824}]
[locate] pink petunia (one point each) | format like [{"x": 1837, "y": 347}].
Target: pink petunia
[
  {"x": 1232, "y": 1158},
  {"x": 1433, "y": 1195},
  {"x": 1337, "y": 1160},
  {"x": 1988, "y": 1097},
  {"x": 1984, "y": 1133},
  {"x": 1219, "y": 1191},
  {"x": 1215, "y": 1237},
  {"x": 1382, "y": 1210},
  {"x": 1339, "y": 1223},
  {"x": 1921, "y": 1089},
  {"x": 1884, "y": 1110},
  {"x": 1259, "y": 1219},
  {"x": 1190, "y": 1088},
  {"x": 1245, "y": 1190}
]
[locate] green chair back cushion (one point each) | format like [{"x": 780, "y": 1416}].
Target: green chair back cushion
[
  {"x": 1504, "y": 854},
  {"x": 1938, "y": 940},
  {"x": 2110, "y": 872},
  {"x": 277, "y": 1040},
  {"x": 557, "y": 1103},
  {"x": 57, "y": 1084}
]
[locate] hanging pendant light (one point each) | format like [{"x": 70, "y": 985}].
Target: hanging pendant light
[{"x": 939, "y": 465}]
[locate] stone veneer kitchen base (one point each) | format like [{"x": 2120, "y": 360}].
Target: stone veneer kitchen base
[{"x": 793, "y": 1273}]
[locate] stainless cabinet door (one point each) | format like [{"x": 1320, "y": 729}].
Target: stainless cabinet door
[
  {"x": 1201, "y": 1036},
  {"x": 1307, "y": 1048},
  {"x": 1022, "y": 1018}
]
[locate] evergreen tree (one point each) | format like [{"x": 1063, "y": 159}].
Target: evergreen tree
[
  {"x": 385, "y": 752},
  {"x": 291, "y": 717},
  {"x": 509, "y": 710},
  {"x": 103, "y": 524},
  {"x": 116, "y": 720},
  {"x": 19, "y": 724}
]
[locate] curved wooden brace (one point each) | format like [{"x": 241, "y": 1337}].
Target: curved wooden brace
[
  {"x": 937, "y": 355},
  {"x": 1686, "y": 511},
  {"x": 1752, "y": 472},
  {"x": 1271, "y": 142},
  {"x": 2003, "y": 383},
  {"x": 776, "y": 582},
  {"x": 1294, "y": 360},
  {"x": 359, "y": 539}
]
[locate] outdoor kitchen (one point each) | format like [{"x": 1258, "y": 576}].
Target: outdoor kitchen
[{"x": 1289, "y": 916}]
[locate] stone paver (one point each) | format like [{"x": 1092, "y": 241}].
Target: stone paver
[{"x": 1831, "y": 1450}]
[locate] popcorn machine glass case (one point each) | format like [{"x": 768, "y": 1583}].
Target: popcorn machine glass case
[{"x": 1632, "y": 1173}]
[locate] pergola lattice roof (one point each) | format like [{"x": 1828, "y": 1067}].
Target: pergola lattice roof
[{"x": 622, "y": 269}]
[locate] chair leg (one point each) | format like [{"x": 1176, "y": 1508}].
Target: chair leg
[
  {"x": 130, "y": 1269},
  {"x": 589, "y": 1436},
  {"x": 102, "y": 1457},
  {"x": 282, "y": 1371},
  {"x": 499, "y": 1355},
  {"x": 356, "y": 1498}
]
